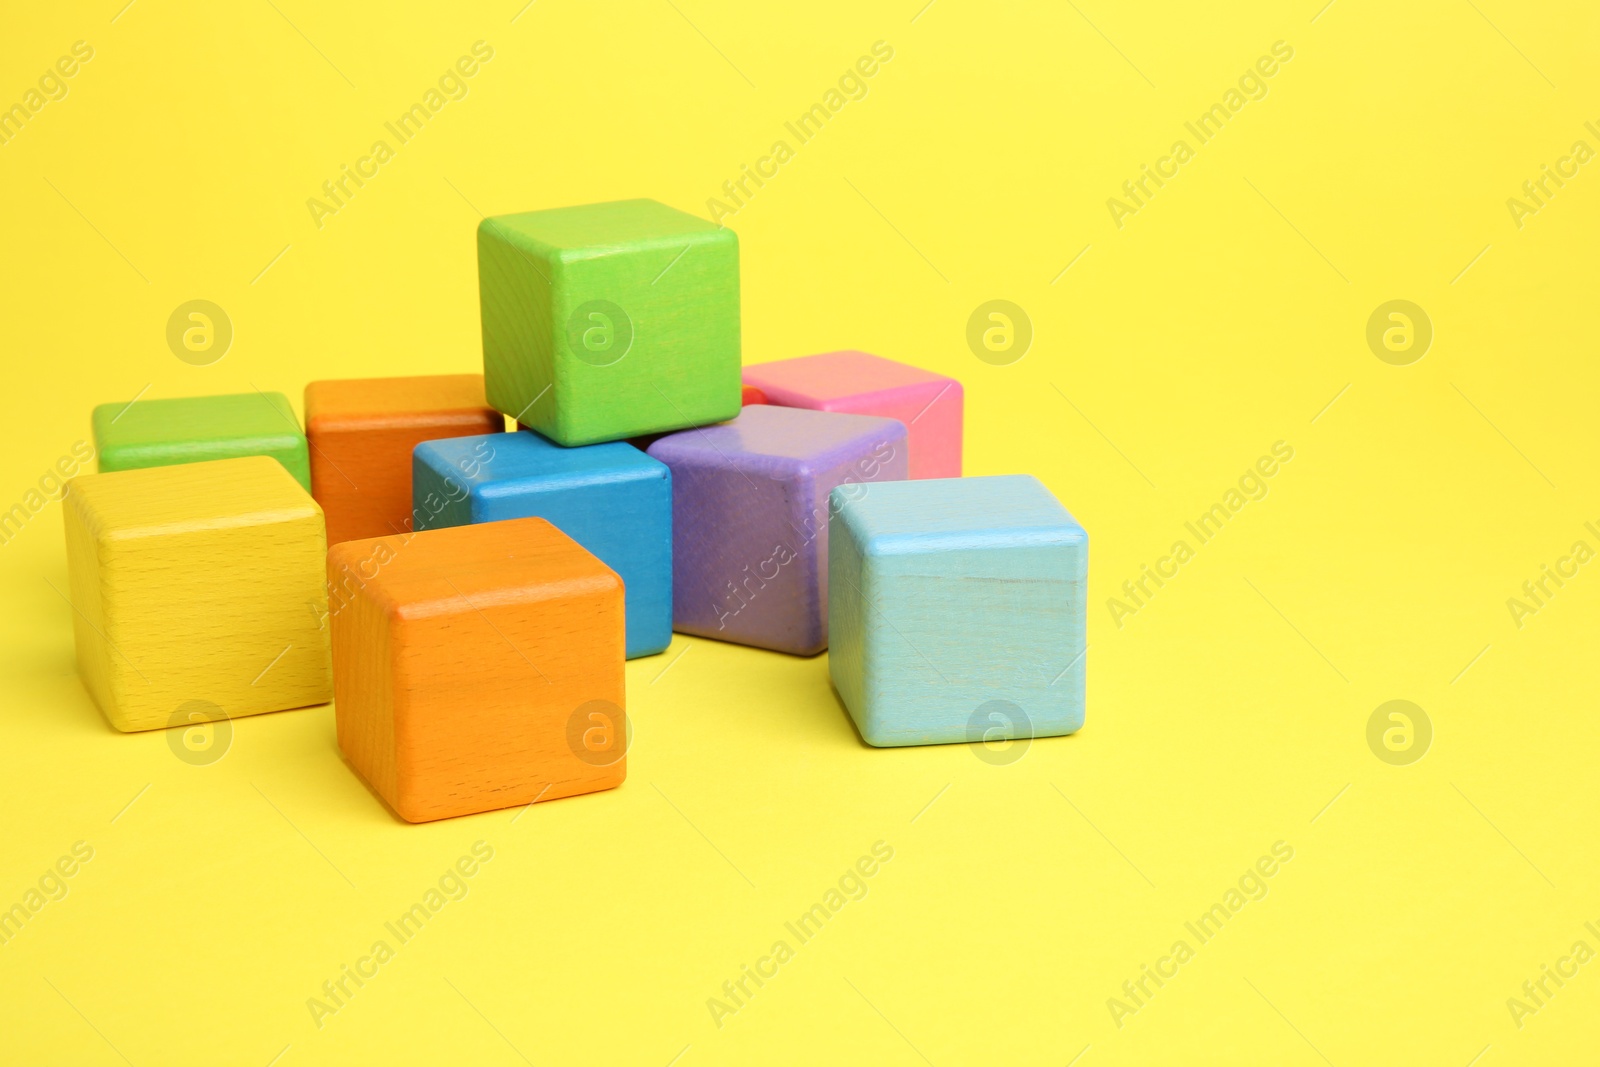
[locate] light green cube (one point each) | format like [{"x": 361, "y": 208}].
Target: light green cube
[
  {"x": 159, "y": 433},
  {"x": 609, "y": 321}
]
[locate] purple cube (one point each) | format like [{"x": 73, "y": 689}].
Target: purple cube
[{"x": 750, "y": 519}]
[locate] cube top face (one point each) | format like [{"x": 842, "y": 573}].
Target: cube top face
[
  {"x": 197, "y": 585},
  {"x": 931, "y": 405},
  {"x": 210, "y": 495},
  {"x": 425, "y": 574},
  {"x": 440, "y": 400},
  {"x": 609, "y": 321},
  {"x": 588, "y": 230},
  {"x": 958, "y": 608},
  {"x": 471, "y": 663},
  {"x": 155, "y": 433},
  {"x": 503, "y": 464},
  {"x": 780, "y": 441},
  {"x": 933, "y": 515},
  {"x": 828, "y": 377}
]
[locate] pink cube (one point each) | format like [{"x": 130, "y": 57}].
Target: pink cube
[{"x": 860, "y": 383}]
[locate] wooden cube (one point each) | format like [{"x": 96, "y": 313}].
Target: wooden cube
[
  {"x": 611, "y": 498},
  {"x": 477, "y": 667},
  {"x": 200, "y": 582},
  {"x": 929, "y": 404},
  {"x": 609, "y": 321},
  {"x": 362, "y": 432},
  {"x": 166, "y": 431},
  {"x": 750, "y": 519},
  {"x": 957, "y": 606}
]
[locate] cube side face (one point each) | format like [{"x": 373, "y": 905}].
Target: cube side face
[
  {"x": 362, "y": 474},
  {"x": 515, "y": 283},
  {"x": 88, "y": 621},
  {"x": 441, "y": 495},
  {"x": 884, "y": 460},
  {"x": 933, "y": 414},
  {"x": 231, "y": 616},
  {"x": 626, "y": 522},
  {"x": 849, "y": 600},
  {"x": 954, "y": 630},
  {"x": 937, "y": 436},
  {"x": 646, "y": 339},
  {"x": 491, "y": 702},
  {"x": 739, "y": 573},
  {"x": 296, "y": 459},
  {"x": 750, "y": 529},
  {"x": 363, "y": 667}
]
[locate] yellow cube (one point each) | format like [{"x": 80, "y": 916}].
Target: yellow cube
[{"x": 198, "y": 583}]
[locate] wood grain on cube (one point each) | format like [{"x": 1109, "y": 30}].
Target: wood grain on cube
[
  {"x": 604, "y": 322},
  {"x": 958, "y": 610},
  {"x": 361, "y": 433},
  {"x": 477, "y": 667},
  {"x": 199, "y": 583},
  {"x": 750, "y": 519}
]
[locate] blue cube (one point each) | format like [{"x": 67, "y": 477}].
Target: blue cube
[
  {"x": 957, "y": 610},
  {"x": 611, "y": 498}
]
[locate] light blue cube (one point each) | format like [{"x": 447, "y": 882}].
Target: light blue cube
[
  {"x": 957, "y": 610},
  {"x": 611, "y": 498}
]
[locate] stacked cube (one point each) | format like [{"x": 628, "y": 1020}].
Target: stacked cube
[{"x": 483, "y": 589}]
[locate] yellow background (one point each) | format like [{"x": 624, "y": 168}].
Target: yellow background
[{"x": 1223, "y": 717}]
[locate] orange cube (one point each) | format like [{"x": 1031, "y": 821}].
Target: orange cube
[
  {"x": 477, "y": 667},
  {"x": 361, "y": 433}
]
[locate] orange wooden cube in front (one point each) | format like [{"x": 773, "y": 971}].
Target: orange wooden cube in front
[
  {"x": 477, "y": 667},
  {"x": 361, "y": 432}
]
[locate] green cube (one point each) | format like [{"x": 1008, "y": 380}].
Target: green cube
[
  {"x": 609, "y": 321},
  {"x": 159, "y": 433}
]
